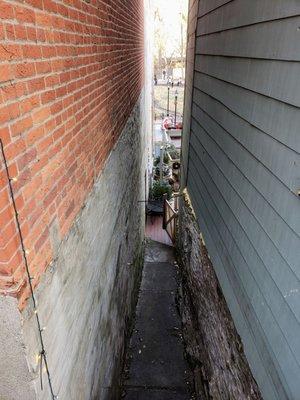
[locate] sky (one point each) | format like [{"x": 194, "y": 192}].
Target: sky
[{"x": 170, "y": 25}]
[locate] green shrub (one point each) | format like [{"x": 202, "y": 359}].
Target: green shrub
[
  {"x": 159, "y": 189},
  {"x": 173, "y": 152},
  {"x": 157, "y": 159}
]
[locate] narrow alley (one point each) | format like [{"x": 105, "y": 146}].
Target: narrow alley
[
  {"x": 155, "y": 365},
  {"x": 149, "y": 199}
]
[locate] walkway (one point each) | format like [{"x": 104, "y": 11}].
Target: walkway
[
  {"x": 157, "y": 369},
  {"x": 154, "y": 230}
]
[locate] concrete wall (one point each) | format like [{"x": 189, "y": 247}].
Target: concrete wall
[
  {"x": 243, "y": 175},
  {"x": 75, "y": 114},
  {"x": 87, "y": 295}
]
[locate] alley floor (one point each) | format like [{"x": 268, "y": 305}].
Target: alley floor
[
  {"x": 156, "y": 367},
  {"x": 154, "y": 230}
]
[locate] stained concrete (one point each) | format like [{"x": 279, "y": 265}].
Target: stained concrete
[
  {"x": 87, "y": 296},
  {"x": 15, "y": 378},
  {"x": 157, "y": 367},
  {"x": 158, "y": 252}
]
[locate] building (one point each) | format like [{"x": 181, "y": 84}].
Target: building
[
  {"x": 75, "y": 117},
  {"x": 241, "y": 168},
  {"x": 74, "y": 123}
]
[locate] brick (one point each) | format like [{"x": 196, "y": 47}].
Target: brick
[
  {"x": 15, "y": 149},
  {"x": 24, "y": 15},
  {"x": 4, "y": 114},
  {"x": 43, "y": 20},
  {"x": 5, "y": 73},
  {"x": 2, "y": 33},
  {"x": 41, "y": 37},
  {"x": 11, "y": 247},
  {"x": 48, "y": 96},
  {"x": 6, "y": 216},
  {"x": 31, "y": 51},
  {"x": 35, "y": 3},
  {"x": 51, "y": 81},
  {"x": 40, "y": 163},
  {"x": 10, "y": 31},
  {"x": 32, "y": 187},
  {"x": 10, "y": 52},
  {"x": 19, "y": 202},
  {"x": 50, "y": 6},
  {"x": 5, "y": 136},
  {"x": 20, "y": 32},
  {"x": 6, "y": 11},
  {"x": 36, "y": 85},
  {"x": 59, "y": 104},
  {"x": 49, "y": 51},
  {"x": 13, "y": 91},
  {"x": 43, "y": 67},
  {"x": 26, "y": 158},
  {"x": 29, "y": 104},
  {"x": 12, "y": 169},
  {"x": 25, "y": 70},
  {"x": 21, "y": 126},
  {"x": 31, "y": 33},
  {"x": 29, "y": 210},
  {"x": 13, "y": 110},
  {"x": 4, "y": 198},
  {"x": 41, "y": 115},
  {"x": 34, "y": 135}
]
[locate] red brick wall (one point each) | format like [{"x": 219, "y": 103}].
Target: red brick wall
[{"x": 70, "y": 73}]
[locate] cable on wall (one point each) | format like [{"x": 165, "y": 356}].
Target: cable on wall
[{"x": 43, "y": 355}]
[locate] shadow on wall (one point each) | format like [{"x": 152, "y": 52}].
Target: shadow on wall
[{"x": 213, "y": 347}]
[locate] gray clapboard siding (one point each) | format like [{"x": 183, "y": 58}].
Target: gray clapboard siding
[
  {"x": 286, "y": 278},
  {"x": 276, "y": 40},
  {"x": 242, "y": 157},
  {"x": 276, "y": 119},
  {"x": 255, "y": 357},
  {"x": 258, "y": 308},
  {"x": 189, "y": 81},
  {"x": 206, "y": 6},
  {"x": 282, "y": 166},
  {"x": 238, "y": 13},
  {"x": 263, "y": 186},
  {"x": 267, "y": 280},
  {"x": 269, "y": 78},
  {"x": 218, "y": 253}
]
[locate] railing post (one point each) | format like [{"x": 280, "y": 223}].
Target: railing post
[{"x": 165, "y": 196}]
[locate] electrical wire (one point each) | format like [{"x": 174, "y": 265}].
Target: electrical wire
[{"x": 43, "y": 351}]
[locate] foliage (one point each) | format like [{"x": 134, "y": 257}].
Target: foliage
[
  {"x": 159, "y": 189},
  {"x": 167, "y": 172},
  {"x": 157, "y": 159},
  {"x": 173, "y": 152},
  {"x": 170, "y": 25}
]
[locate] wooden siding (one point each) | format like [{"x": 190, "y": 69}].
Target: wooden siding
[
  {"x": 190, "y": 60},
  {"x": 241, "y": 159}
]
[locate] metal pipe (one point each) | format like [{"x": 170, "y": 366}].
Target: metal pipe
[
  {"x": 168, "y": 104},
  {"x": 176, "y": 99},
  {"x": 161, "y": 161}
]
